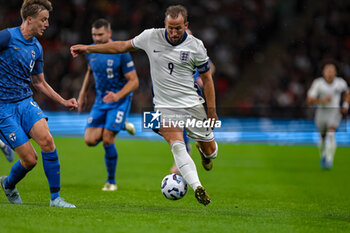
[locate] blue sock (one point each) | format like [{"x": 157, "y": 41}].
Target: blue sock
[
  {"x": 16, "y": 174},
  {"x": 52, "y": 172},
  {"x": 111, "y": 160},
  {"x": 186, "y": 140}
]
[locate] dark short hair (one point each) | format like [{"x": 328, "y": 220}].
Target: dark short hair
[
  {"x": 33, "y": 7},
  {"x": 174, "y": 11},
  {"x": 101, "y": 23},
  {"x": 328, "y": 61}
]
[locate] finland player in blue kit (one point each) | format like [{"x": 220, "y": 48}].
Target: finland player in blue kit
[
  {"x": 115, "y": 79},
  {"x": 21, "y": 63}
]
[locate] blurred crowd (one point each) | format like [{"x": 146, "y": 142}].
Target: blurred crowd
[
  {"x": 234, "y": 32},
  {"x": 325, "y": 35}
]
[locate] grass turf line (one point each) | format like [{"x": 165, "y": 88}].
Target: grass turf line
[{"x": 254, "y": 188}]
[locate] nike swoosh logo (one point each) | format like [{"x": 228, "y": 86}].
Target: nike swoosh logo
[
  {"x": 156, "y": 51},
  {"x": 16, "y": 47}
]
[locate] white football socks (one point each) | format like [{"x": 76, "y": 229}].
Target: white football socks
[
  {"x": 321, "y": 147},
  {"x": 2, "y": 144},
  {"x": 185, "y": 164},
  {"x": 331, "y": 145}
]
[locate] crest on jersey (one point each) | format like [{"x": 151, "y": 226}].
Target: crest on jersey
[
  {"x": 184, "y": 56},
  {"x": 90, "y": 119},
  {"x": 12, "y": 136},
  {"x": 110, "y": 62}
]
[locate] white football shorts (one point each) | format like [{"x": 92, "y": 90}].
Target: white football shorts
[{"x": 192, "y": 119}]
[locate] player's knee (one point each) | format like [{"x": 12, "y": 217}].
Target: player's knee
[
  {"x": 91, "y": 141},
  {"x": 107, "y": 141},
  {"x": 108, "y": 137},
  {"x": 47, "y": 143}
]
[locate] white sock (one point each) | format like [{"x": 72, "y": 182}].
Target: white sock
[
  {"x": 321, "y": 147},
  {"x": 185, "y": 164},
  {"x": 331, "y": 146},
  {"x": 2, "y": 144}
]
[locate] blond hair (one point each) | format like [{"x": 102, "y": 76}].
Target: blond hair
[{"x": 34, "y": 7}]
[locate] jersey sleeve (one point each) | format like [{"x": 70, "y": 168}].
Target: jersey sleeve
[
  {"x": 141, "y": 40},
  {"x": 5, "y": 37},
  {"x": 127, "y": 63},
  {"x": 312, "y": 92},
  {"x": 345, "y": 86},
  {"x": 201, "y": 59},
  {"x": 39, "y": 65}
]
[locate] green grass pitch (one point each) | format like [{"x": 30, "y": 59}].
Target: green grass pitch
[{"x": 254, "y": 188}]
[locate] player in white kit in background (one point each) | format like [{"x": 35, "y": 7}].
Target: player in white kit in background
[
  {"x": 327, "y": 92},
  {"x": 174, "y": 55},
  {"x": 8, "y": 152}
]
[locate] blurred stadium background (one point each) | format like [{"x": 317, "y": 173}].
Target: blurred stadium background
[{"x": 266, "y": 54}]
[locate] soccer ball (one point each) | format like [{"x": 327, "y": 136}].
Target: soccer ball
[{"x": 174, "y": 187}]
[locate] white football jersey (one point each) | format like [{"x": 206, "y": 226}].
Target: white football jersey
[
  {"x": 172, "y": 67},
  {"x": 321, "y": 89}
]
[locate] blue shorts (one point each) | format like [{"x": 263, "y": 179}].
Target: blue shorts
[
  {"x": 112, "y": 118},
  {"x": 17, "y": 119}
]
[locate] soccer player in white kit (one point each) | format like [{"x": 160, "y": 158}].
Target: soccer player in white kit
[
  {"x": 173, "y": 56},
  {"x": 8, "y": 152},
  {"x": 326, "y": 92}
]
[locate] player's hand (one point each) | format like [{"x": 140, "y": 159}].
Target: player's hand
[
  {"x": 326, "y": 100},
  {"x": 78, "y": 49},
  {"x": 344, "y": 108},
  {"x": 343, "y": 111},
  {"x": 212, "y": 116},
  {"x": 71, "y": 104},
  {"x": 111, "y": 97}
]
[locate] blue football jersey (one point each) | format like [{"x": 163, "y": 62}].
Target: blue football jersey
[
  {"x": 19, "y": 59},
  {"x": 108, "y": 71}
]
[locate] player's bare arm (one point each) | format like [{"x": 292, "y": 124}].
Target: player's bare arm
[
  {"x": 311, "y": 100},
  {"x": 209, "y": 93},
  {"x": 114, "y": 47},
  {"x": 131, "y": 85},
  {"x": 41, "y": 85},
  {"x": 212, "y": 68},
  {"x": 345, "y": 107},
  {"x": 82, "y": 93}
]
